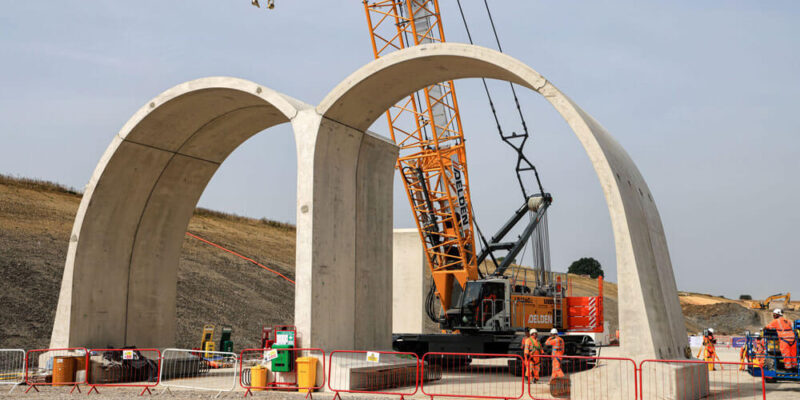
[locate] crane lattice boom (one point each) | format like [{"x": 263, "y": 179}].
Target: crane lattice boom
[{"x": 432, "y": 162}]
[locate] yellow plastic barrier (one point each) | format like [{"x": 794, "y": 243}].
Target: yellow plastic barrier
[{"x": 306, "y": 373}]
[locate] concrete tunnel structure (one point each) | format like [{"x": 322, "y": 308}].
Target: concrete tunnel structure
[{"x": 121, "y": 271}]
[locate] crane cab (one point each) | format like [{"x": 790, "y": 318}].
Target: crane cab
[{"x": 496, "y": 305}]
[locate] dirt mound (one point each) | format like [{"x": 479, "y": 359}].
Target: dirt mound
[
  {"x": 214, "y": 287},
  {"x": 726, "y": 318}
]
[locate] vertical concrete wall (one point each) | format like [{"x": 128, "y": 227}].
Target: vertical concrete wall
[
  {"x": 410, "y": 282},
  {"x": 343, "y": 292}
]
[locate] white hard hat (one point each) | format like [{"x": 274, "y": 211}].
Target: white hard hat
[
  {"x": 711, "y": 330},
  {"x": 533, "y": 331},
  {"x": 778, "y": 311},
  {"x": 554, "y": 331}
]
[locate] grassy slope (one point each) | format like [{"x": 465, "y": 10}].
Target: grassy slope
[{"x": 214, "y": 287}]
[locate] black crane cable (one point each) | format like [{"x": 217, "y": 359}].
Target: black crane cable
[{"x": 518, "y": 147}]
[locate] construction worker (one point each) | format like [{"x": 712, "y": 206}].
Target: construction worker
[
  {"x": 786, "y": 336},
  {"x": 531, "y": 349},
  {"x": 744, "y": 358},
  {"x": 760, "y": 351},
  {"x": 709, "y": 349},
  {"x": 557, "y": 344}
]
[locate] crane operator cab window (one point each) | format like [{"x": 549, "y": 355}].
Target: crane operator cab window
[{"x": 482, "y": 301}]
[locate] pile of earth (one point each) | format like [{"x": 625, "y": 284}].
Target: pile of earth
[
  {"x": 726, "y": 318},
  {"x": 214, "y": 287}
]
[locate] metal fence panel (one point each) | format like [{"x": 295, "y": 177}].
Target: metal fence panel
[
  {"x": 280, "y": 369},
  {"x": 199, "y": 370},
  {"x": 486, "y": 376},
  {"x": 581, "y": 378},
  {"x": 373, "y": 372},
  {"x": 138, "y": 368},
  {"x": 56, "y": 367},
  {"x": 695, "y": 379},
  {"x": 12, "y": 367}
]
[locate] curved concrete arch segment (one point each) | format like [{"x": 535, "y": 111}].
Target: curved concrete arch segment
[
  {"x": 651, "y": 321},
  {"x": 120, "y": 276}
]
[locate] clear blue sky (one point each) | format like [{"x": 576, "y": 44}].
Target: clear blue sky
[{"x": 701, "y": 94}]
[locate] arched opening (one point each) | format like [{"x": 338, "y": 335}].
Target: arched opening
[
  {"x": 648, "y": 295},
  {"x": 248, "y": 207},
  {"x": 119, "y": 278}
]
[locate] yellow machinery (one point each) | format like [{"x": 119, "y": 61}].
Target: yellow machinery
[
  {"x": 207, "y": 341},
  {"x": 758, "y": 305}
]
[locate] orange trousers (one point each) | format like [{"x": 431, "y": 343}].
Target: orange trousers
[
  {"x": 557, "y": 372},
  {"x": 789, "y": 352},
  {"x": 531, "y": 369}
]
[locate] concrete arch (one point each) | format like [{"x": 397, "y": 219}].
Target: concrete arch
[
  {"x": 120, "y": 275},
  {"x": 650, "y": 315}
]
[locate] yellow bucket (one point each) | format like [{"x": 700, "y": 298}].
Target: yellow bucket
[
  {"x": 258, "y": 377},
  {"x": 306, "y": 373}
]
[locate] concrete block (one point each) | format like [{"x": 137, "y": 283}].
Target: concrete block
[{"x": 410, "y": 282}]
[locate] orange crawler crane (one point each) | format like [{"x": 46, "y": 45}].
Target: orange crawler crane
[{"x": 485, "y": 308}]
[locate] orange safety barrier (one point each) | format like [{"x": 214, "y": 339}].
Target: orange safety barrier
[
  {"x": 283, "y": 367},
  {"x": 139, "y": 368},
  {"x": 374, "y": 372},
  {"x": 695, "y": 379},
  {"x": 576, "y": 377},
  {"x": 483, "y": 376},
  {"x": 56, "y": 367}
]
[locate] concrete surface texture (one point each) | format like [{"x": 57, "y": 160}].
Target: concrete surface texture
[
  {"x": 409, "y": 283},
  {"x": 119, "y": 280},
  {"x": 651, "y": 322}
]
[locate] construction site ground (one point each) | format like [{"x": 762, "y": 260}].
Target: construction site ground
[{"x": 743, "y": 381}]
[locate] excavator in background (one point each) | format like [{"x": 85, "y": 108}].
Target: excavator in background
[{"x": 765, "y": 305}]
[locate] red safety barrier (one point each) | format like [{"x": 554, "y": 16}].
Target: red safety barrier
[
  {"x": 286, "y": 368},
  {"x": 139, "y": 368},
  {"x": 484, "y": 376},
  {"x": 695, "y": 379},
  {"x": 577, "y": 378},
  {"x": 56, "y": 367},
  {"x": 373, "y": 372}
]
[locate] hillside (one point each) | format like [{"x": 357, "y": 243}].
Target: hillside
[
  {"x": 216, "y": 287},
  {"x": 213, "y": 286}
]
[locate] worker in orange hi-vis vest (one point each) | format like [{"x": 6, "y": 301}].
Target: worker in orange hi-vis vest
[
  {"x": 744, "y": 358},
  {"x": 557, "y": 344},
  {"x": 787, "y": 339},
  {"x": 531, "y": 349},
  {"x": 709, "y": 350},
  {"x": 760, "y": 351}
]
